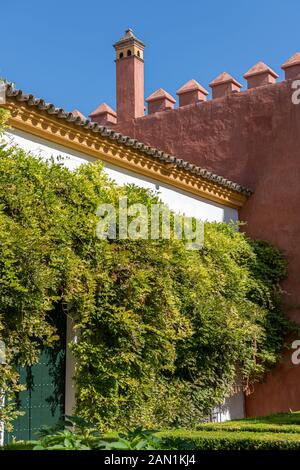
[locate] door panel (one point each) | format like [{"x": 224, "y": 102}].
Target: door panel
[{"x": 44, "y": 397}]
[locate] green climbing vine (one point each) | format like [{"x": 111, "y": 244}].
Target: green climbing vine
[{"x": 163, "y": 330}]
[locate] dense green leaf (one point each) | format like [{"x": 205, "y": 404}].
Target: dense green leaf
[{"x": 163, "y": 331}]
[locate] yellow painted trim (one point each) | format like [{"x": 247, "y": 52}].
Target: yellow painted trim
[{"x": 41, "y": 124}]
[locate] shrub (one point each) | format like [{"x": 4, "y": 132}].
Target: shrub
[
  {"x": 77, "y": 434},
  {"x": 274, "y": 432}
]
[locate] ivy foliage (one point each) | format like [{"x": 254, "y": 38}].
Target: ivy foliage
[{"x": 162, "y": 330}]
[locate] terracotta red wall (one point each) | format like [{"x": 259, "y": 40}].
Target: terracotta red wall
[{"x": 253, "y": 138}]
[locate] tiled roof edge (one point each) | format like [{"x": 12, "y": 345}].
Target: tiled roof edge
[{"x": 60, "y": 113}]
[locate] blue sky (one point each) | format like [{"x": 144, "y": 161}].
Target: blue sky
[{"x": 62, "y": 50}]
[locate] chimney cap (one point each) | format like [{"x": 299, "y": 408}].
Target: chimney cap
[
  {"x": 260, "y": 68},
  {"x": 191, "y": 85},
  {"x": 224, "y": 77},
  {"x": 294, "y": 60},
  {"x": 128, "y": 38},
  {"x": 160, "y": 94},
  {"x": 103, "y": 109},
  {"x": 77, "y": 113}
]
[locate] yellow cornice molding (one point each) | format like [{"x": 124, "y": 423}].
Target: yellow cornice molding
[{"x": 82, "y": 140}]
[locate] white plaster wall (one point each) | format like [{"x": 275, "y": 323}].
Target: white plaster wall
[
  {"x": 179, "y": 201},
  {"x": 232, "y": 408}
]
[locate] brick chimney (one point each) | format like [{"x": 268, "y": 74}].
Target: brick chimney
[
  {"x": 224, "y": 85},
  {"x": 260, "y": 74},
  {"x": 104, "y": 115},
  {"x": 292, "y": 67},
  {"x": 130, "y": 77},
  {"x": 190, "y": 93},
  {"x": 160, "y": 100}
]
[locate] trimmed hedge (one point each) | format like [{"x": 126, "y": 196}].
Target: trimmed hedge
[
  {"x": 250, "y": 427},
  {"x": 20, "y": 445},
  {"x": 293, "y": 417},
  {"x": 280, "y": 422},
  {"x": 278, "y": 431},
  {"x": 228, "y": 440}
]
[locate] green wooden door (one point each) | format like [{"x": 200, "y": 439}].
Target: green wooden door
[{"x": 43, "y": 400}]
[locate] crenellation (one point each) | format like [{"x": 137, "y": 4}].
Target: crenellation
[
  {"x": 191, "y": 92},
  {"x": 224, "y": 85},
  {"x": 260, "y": 75},
  {"x": 130, "y": 85},
  {"x": 159, "y": 101},
  {"x": 292, "y": 67},
  {"x": 104, "y": 115}
]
